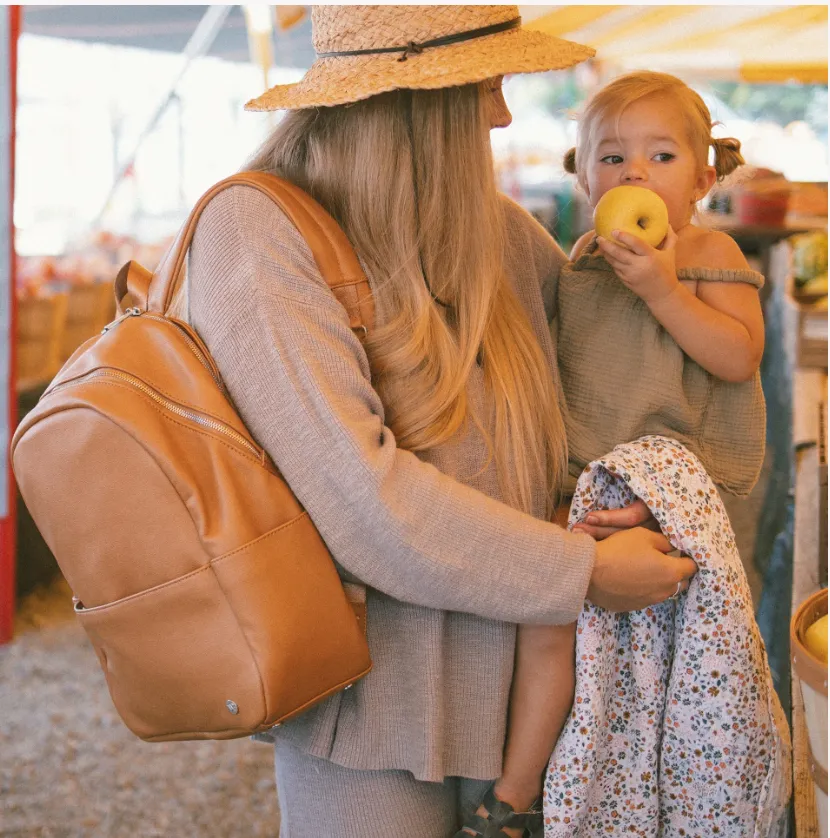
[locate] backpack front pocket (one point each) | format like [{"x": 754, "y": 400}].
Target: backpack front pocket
[{"x": 177, "y": 664}]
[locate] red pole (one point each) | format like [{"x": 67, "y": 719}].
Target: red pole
[{"x": 8, "y": 553}]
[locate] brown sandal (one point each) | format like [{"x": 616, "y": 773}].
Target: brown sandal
[{"x": 501, "y": 814}]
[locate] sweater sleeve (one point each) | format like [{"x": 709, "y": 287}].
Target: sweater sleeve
[{"x": 300, "y": 381}]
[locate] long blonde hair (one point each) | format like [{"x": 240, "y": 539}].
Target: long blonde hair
[
  {"x": 617, "y": 95},
  {"x": 357, "y": 161}
]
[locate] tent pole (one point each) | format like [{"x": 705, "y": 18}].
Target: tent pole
[
  {"x": 200, "y": 42},
  {"x": 9, "y": 32}
]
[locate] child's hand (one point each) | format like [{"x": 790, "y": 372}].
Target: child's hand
[
  {"x": 601, "y": 524},
  {"x": 648, "y": 271}
]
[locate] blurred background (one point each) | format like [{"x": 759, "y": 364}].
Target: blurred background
[
  {"x": 136, "y": 149},
  {"x": 117, "y": 118}
]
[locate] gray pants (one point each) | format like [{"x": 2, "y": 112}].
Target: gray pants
[{"x": 319, "y": 799}]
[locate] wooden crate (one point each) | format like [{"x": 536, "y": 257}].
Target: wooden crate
[
  {"x": 810, "y": 330},
  {"x": 809, "y": 315},
  {"x": 89, "y": 310},
  {"x": 811, "y": 345},
  {"x": 41, "y": 322}
]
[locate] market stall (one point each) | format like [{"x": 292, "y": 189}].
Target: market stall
[
  {"x": 798, "y": 275},
  {"x": 134, "y": 182},
  {"x": 755, "y": 43}
]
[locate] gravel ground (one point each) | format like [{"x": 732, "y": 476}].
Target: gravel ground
[{"x": 69, "y": 767}]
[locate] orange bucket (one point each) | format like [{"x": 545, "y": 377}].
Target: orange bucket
[{"x": 812, "y": 673}]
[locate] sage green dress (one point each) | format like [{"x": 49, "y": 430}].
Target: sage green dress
[{"x": 624, "y": 376}]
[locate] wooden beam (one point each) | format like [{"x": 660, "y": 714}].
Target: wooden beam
[
  {"x": 812, "y": 73},
  {"x": 567, "y": 19},
  {"x": 650, "y": 20},
  {"x": 198, "y": 44},
  {"x": 781, "y": 21}
]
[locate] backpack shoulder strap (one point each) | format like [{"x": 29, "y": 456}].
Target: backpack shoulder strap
[{"x": 332, "y": 251}]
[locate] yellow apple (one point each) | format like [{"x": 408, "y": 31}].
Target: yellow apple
[
  {"x": 634, "y": 210},
  {"x": 815, "y": 638}
]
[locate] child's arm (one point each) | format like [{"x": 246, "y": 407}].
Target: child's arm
[{"x": 723, "y": 328}]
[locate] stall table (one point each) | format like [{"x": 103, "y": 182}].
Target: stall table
[
  {"x": 809, "y": 437},
  {"x": 809, "y": 404},
  {"x": 759, "y": 238}
]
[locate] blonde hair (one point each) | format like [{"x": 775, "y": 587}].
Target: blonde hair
[
  {"x": 615, "y": 97},
  {"x": 356, "y": 160}
]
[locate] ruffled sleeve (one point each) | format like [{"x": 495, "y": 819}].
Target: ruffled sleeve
[
  {"x": 591, "y": 258},
  {"x": 723, "y": 275}
]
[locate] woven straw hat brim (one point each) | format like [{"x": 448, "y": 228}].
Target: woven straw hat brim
[{"x": 344, "y": 79}]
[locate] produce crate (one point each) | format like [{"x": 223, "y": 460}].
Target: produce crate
[
  {"x": 766, "y": 207},
  {"x": 41, "y": 322},
  {"x": 808, "y": 310},
  {"x": 811, "y": 333},
  {"x": 822, "y": 494},
  {"x": 812, "y": 675}
]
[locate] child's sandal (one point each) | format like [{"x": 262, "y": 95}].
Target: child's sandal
[{"x": 501, "y": 814}]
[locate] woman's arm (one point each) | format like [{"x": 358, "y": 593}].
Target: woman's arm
[
  {"x": 722, "y": 329},
  {"x": 300, "y": 380}
]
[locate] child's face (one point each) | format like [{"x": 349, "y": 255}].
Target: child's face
[{"x": 650, "y": 149}]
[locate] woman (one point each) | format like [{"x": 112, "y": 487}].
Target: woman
[{"x": 429, "y": 456}]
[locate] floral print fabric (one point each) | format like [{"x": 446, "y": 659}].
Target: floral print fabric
[{"x": 676, "y": 730}]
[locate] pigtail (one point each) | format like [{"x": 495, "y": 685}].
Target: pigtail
[
  {"x": 569, "y": 161},
  {"x": 727, "y": 156}
]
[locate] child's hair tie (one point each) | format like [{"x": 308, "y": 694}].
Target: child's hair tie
[
  {"x": 727, "y": 155},
  {"x": 569, "y": 161}
]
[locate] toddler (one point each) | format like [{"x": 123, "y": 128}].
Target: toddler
[{"x": 664, "y": 340}]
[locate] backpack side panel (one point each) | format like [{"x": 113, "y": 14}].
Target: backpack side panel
[{"x": 105, "y": 533}]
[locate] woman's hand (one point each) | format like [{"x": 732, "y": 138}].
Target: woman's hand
[
  {"x": 600, "y": 525},
  {"x": 632, "y": 571}
]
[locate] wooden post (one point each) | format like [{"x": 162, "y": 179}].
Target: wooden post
[{"x": 9, "y": 32}]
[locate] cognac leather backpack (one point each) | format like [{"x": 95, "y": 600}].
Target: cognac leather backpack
[{"x": 210, "y": 598}]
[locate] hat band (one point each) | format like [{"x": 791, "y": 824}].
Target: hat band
[{"x": 413, "y": 48}]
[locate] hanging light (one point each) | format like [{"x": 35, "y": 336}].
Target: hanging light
[
  {"x": 259, "y": 17},
  {"x": 288, "y": 16},
  {"x": 259, "y": 20}
]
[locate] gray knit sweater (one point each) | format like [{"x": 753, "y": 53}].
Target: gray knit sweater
[{"x": 450, "y": 568}]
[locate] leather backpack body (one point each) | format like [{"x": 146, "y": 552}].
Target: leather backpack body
[{"x": 211, "y": 600}]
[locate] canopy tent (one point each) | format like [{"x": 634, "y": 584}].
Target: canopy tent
[
  {"x": 166, "y": 28},
  {"x": 741, "y": 43},
  {"x": 751, "y": 43}
]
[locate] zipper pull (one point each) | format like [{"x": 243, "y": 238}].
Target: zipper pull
[{"x": 130, "y": 312}]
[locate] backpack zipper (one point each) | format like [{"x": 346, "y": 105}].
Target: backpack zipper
[
  {"x": 171, "y": 406},
  {"x": 191, "y": 344},
  {"x": 130, "y": 312}
]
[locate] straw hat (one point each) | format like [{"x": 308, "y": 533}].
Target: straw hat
[{"x": 364, "y": 50}]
